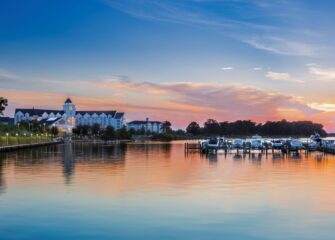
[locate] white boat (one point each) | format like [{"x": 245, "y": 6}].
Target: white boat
[
  {"x": 312, "y": 145},
  {"x": 277, "y": 143},
  {"x": 213, "y": 143},
  {"x": 204, "y": 144},
  {"x": 256, "y": 137},
  {"x": 238, "y": 143},
  {"x": 255, "y": 142},
  {"x": 316, "y": 137},
  {"x": 293, "y": 144},
  {"x": 328, "y": 144}
]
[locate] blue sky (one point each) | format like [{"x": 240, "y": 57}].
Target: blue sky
[{"x": 60, "y": 47}]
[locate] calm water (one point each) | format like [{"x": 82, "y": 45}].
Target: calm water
[{"x": 154, "y": 191}]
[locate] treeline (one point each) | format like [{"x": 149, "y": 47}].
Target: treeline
[
  {"x": 25, "y": 127},
  {"x": 247, "y": 128},
  {"x": 109, "y": 133}
]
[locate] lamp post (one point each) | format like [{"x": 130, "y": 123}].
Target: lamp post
[
  {"x": 17, "y": 138},
  {"x": 7, "y": 138},
  {"x": 25, "y": 138},
  {"x": 31, "y": 135}
]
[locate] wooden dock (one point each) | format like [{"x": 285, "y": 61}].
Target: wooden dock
[
  {"x": 8, "y": 148},
  {"x": 247, "y": 149}
]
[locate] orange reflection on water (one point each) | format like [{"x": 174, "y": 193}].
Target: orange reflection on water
[{"x": 230, "y": 180}]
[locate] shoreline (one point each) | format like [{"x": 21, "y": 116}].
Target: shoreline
[{"x": 10, "y": 148}]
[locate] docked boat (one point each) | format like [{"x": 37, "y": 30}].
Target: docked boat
[
  {"x": 293, "y": 145},
  {"x": 328, "y": 144},
  {"x": 277, "y": 143},
  {"x": 238, "y": 143},
  {"x": 203, "y": 144},
  {"x": 255, "y": 142},
  {"x": 312, "y": 145},
  {"x": 213, "y": 143},
  {"x": 316, "y": 137}
]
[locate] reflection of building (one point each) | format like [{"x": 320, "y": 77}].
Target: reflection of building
[
  {"x": 68, "y": 163},
  {"x": 69, "y": 117},
  {"x": 147, "y": 126}
]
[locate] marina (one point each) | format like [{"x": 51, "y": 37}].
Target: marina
[{"x": 257, "y": 143}]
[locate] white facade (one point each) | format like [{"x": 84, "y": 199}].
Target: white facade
[
  {"x": 72, "y": 117},
  {"x": 147, "y": 126}
]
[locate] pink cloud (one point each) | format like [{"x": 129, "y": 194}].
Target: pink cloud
[{"x": 180, "y": 102}]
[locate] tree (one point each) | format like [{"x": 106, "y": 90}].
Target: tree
[
  {"x": 54, "y": 131},
  {"x": 212, "y": 127},
  {"x": 95, "y": 129},
  {"x": 142, "y": 131},
  {"x": 3, "y": 105},
  {"x": 166, "y": 127},
  {"x": 84, "y": 130},
  {"x": 193, "y": 128},
  {"x": 36, "y": 126},
  {"x": 109, "y": 133},
  {"x": 76, "y": 131},
  {"x": 123, "y": 133}
]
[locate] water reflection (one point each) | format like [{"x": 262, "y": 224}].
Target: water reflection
[
  {"x": 108, "y": 192},
  {"x": 68, "y": 163},
  {"x": 2, "y": 179}
]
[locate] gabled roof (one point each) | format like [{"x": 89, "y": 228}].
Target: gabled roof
[
  {"x": 68, "y": 100},
  {"x": 119, "y": 115},
  {"x": 112, "y": 113},
  {"x": 38, "y": 112},
  {"x": 50, "y": 121},
  {"x": 144, "y": 122}
]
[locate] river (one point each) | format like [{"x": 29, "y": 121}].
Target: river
[{"x": 156, "y": 191}]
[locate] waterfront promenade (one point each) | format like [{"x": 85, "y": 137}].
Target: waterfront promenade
[{"x": 25, "y": 146}]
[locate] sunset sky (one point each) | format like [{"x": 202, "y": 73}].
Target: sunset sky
[{"x": 172, "y": 60}]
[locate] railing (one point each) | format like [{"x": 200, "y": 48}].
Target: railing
[{"x": 18, "y": 139}]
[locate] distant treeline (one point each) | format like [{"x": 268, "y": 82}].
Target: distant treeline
[{"x": 247, "y": 128}]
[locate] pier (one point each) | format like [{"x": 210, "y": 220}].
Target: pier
[{"x": 246, "y": 148}]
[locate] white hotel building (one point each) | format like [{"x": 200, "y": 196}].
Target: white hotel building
[{"x": 69, "y": 117}]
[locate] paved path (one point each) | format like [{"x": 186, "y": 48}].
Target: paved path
[{"x": 24, "y": 146}]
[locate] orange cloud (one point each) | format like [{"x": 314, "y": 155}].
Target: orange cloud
[{"x": 179, "y": 102}]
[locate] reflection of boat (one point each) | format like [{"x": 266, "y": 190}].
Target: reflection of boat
[
  {"x": 58, "y": 139},
  {"x": 237, "y": 156},
  {"x": 67, "y": 139}
]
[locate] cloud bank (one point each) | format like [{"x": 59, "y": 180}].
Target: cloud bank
[{"x": 179, "y": 102}]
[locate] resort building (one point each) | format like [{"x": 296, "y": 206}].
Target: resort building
[
  {"x": 6, "y": 121},
  {"x": 69, "y": 117},
  {"x": 147, "y": 126}
]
